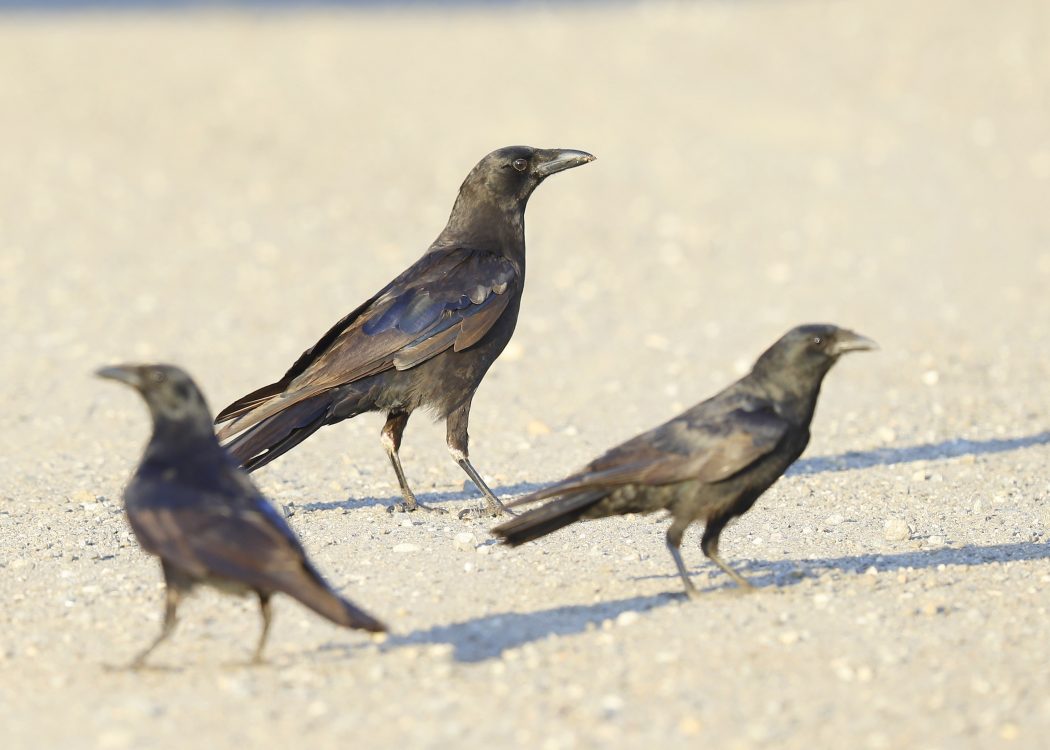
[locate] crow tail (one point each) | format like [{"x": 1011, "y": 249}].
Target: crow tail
[
  {"x": 307, "y": 586},
  {"x": 276, "y": 435},
  {"x": 547, "y": 518}
]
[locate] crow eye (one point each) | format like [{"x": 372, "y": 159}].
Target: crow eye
[
  {"x": 818, "y": 341},
  {"x": 519, "y": 164},
  {"x": 158, "y": 376}
]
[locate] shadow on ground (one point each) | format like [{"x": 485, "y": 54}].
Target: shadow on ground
[
  {"x": 427, "y": 498},
  {"x": 483, "y": 638},
  {"x": 853, "y": 460},
  {"x": 487, "y": 637},
  {"x": 790, "y": 572},
  {"x": 954, "y": 448}
]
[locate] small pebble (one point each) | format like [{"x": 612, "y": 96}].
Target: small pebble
[
  {"x": 535, "y": 428},
  {"x": 895, "y": 530},
  {"x": 886, "y": 434},
  {"x": 690, "y": 726},
  {"x": 627, "y": 618},
  {"x": 405, "y": 547},
  {"x": 465, "y": 541}
]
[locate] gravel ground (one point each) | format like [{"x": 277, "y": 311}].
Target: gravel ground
[{"x": 215, "y": 188}]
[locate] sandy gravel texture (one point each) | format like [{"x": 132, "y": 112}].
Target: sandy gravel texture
[{"x": 216, "y": 188}]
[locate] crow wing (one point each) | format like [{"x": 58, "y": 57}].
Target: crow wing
[
  {"x": 205, "y": 533},
  {"x": 450, "y": 298},
  {"x": 706, "y": 443}
]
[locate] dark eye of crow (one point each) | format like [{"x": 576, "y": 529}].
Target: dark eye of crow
[
  {"x": 158, "y": 376},
  {"x": 818, "y": 341},
  {"x": 519, "y": 164}
]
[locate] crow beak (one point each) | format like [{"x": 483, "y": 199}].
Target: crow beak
[
  {"x": 848, "y": 341},
  {"x": 558, "y": 160},
  {"x": 128, "y": 374}
]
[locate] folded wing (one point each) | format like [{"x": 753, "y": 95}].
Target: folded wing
[
  {"x": 711, "y": 448},
  {"x": 447, "y": 299}
]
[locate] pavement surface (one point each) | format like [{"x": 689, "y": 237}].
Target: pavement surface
[{"x": 216, "y": 187}]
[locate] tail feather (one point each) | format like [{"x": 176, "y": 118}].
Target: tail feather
[
  {"x": 307, "y": 586},
  {"x": 245, "y": 404},
  {"x": 262, "y": 410},
  {"x": 547, "y": 518},
  {"x": 278, "y": 434}
]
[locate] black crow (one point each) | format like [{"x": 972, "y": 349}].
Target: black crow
[
  {"x": 711, "y": 462},
  {"x": 192, "y": 506},
  {"x": 425, "y": 340}
]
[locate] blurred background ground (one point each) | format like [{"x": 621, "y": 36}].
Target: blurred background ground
[{"x": 216, "y": 186}]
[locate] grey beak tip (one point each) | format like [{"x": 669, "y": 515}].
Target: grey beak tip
[
  {"x": 120, "y": 373},
  {"x": 858, "y": 343},
  {"x": 563, "y": 159}
]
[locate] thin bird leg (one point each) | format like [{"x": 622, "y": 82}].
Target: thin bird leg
[
  {"x": 457, "y": 439},
  {"x": 709, "y": 544},
  {"x": 172, "y": 596},
  {"x": 674, "y": 541},
  {"x": 267, "y": 617},
  {"x": 391, "y": 439}
]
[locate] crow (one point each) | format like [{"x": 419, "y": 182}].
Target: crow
[
  {"x": 191, "y": 505},
  {"x": 425, "y": 340},
  {"x": 711, "y": 462}
]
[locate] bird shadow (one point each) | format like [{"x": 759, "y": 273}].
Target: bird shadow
[
  {"x": 483, "y": 638},
  {"x": 427, "y": 498},
  {"x": 131, "y": 668},
  {"x": 953, "y": 448},
  {"x": 785, "y": 573},
  {"x": 849, "y": 461}
]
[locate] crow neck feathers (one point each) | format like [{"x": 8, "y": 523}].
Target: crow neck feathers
[
  {"x": 484, "y": 219},
  {"x": 792, "y": 388}
]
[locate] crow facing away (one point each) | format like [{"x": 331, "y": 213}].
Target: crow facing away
[
  {"x": 425, "y": 340},
  {"x": 190, "y": 504},
  {"x": 711, "y": 462}
]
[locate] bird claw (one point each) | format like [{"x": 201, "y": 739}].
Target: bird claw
[
  {"x": 404, "y": 507},
  {"x": 496, "y": 511}
]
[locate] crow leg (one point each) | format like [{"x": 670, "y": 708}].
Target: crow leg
[
  {"x": 391, "y": 439},
  {"x": 457, "y": 439},
  {"x": 173, "y": 592},
  {"x": 674, "y": 542},
  {"x": 267, "y": 617},
  {"x": 709, "y": 544}
]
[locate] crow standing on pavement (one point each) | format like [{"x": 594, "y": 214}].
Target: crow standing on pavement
[
  {"x": 425, "y": 340},
  {"x": 189, "y": 504},
  {"x": 713, "y": 461}
]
